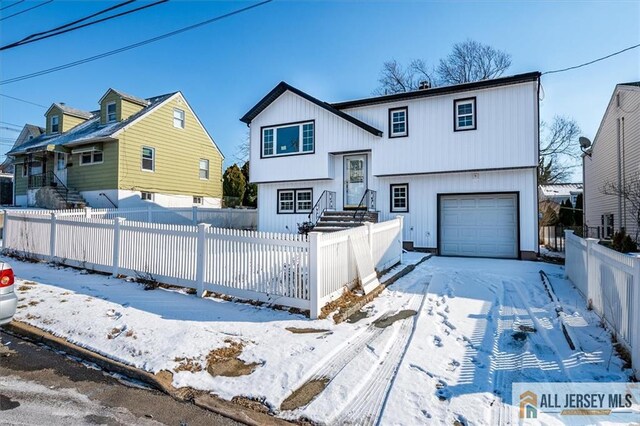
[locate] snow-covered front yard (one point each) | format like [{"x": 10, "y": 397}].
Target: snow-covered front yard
[{"x": 442, "y": 344}]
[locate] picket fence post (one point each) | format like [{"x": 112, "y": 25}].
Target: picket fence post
[
  {"x": 370, "y": 236},
  {"x": 194, "y": 215},
  {"x": 635, "y": 328},
  {"x": 87, "y": 212},
  {"x": 591, "y": 269},
  {"x": 401, "y": 233},
  {"x": 116, "y": 245},
  {"x": 315, "y": 274},
  {"x": 4, "y": 228},
  {"x": 52, "y": 238},
  {"x": 201, "y": 257}
]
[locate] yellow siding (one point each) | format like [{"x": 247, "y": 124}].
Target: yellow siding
[
  {"x": 177, "y": 155},
  {"x": 21, "y": 182},
  {"x": 69, "y": 122},
  {"x": 127, "y": 109},
  {"x": 95, "y": 176}
]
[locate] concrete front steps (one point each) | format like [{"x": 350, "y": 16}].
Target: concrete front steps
[{"x": 332, "y": 221}]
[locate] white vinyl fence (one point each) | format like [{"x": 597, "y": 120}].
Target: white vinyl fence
[
  {"x": 610, "y": 282},
  {"x": 282, "y": 269}
]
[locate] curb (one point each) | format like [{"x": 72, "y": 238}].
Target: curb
[
  {"x": 161, "y": 382},
  {"x": 342, "y": 316}
]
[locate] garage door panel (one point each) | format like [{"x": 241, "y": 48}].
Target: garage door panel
[{"x": 483, "y": 225}]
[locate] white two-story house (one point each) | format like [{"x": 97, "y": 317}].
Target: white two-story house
[{"x": 458, "y": 162}]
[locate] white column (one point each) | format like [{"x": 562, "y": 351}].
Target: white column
[
  {"x": 87, "y": 212},
  {"x": 201, "y": 257},
  {"x": 4, "y": 228},
  {"x": 401, "y": 220},
  {"x": 315, "y": 275},
  {"x": 116, "y": 246},
  {"x": 52, "y": 239}
]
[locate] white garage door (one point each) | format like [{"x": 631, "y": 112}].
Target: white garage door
[{"x": 479, "y": 225}]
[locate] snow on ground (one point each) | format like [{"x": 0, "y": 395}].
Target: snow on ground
[
  {"x": 454, "y": 360},
  {"x": 544, "y": 251}
]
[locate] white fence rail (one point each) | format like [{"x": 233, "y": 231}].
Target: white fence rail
[
  {"x": 246, "y": 219},
  {"x": 283, "y": 269},
  {"x": 610, "y": 282}
]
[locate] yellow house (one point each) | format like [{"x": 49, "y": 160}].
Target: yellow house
[{"x": 130, "y": 152}]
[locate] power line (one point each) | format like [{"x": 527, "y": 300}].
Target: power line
[
  {"x": 11, "y": 124},
  {"x": 12, "y": 4},
  {"x": 10, "y": 129},
  {"x": 23, "y": 100},
  {"x": 592, "y": 62},
  {"x": 132, "y": 46},
  {"x": 26, "y": 10},
  {"x": 108, "y": 18}
]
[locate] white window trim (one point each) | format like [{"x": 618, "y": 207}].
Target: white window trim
[
  {"x": 472, "y": 114},
  {"x": 208, "y": 168},
  {"x": 182, "y": 120},
  {"x": 298, "y": 191},
  {"x": 153, "y": 159},
  {"x": 293, "y": 201},
  {"x": 300, "y": 151},
  {"x": 93, "y": 162},
  {"x": 51, "y": 123},
  {"x": 392, "y": 207},
  {"x": 115, "y": 113},
  {"x": 393, "y": 134}
]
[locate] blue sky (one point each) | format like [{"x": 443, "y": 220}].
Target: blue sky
[{"x": 330, "y": 49}]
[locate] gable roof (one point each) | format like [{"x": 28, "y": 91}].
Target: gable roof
[
  {"x": 633, "y": 83},
  {"x": 629, "y": 86},
  {"x": 442, "y": 90},
  {"x": 134, "y": 99},
  {"x": 70, "y": 111},
  {"x": 89, "y": 131},
  {"x": 283, "y": 87}
]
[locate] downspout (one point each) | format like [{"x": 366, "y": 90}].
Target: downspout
[
  {"x": 620, "y": 188},
  {"x": 624, "y": 174}
]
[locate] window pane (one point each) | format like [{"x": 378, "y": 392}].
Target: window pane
[
  {"x": 288, "y": 140},
  {"x": 267, "y": 141},
  {"x": 178, "y": 118},
  {"x": 97, "y": 156},
  {"x": 464, "y": 108},
  {"x": 398, "y": 128},
  {"x": 398, "y": 116},
  {"x": 147, "y": 153},
  {"x": 304, "y": 201},
  {"x": 307, "y": 137},
  {"x": 85, "y": 158}
]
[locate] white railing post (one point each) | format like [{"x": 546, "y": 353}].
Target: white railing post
[
  {"x": 592, "y": 278},
  {"x": 52, "y": 239},
  {"x": 635, "y": 325},
  {"x": 370, "y": 236},
  {"x": 401, "y": 233},
  {"x": 116, "y": 245},
  {"x": 201, "y": 258},
  {"x": 87, "y": 212},
  {"x": 315, "y": 275},
  {"x": 569, "y": 259},
  {"x": 194, "y": 214}
]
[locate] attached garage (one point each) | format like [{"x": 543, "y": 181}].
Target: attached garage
[{"x": 478, "y": 225}]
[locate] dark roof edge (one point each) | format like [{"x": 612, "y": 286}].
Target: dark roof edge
[
  {"x": 283, "y": 87},
  {"x": 483, "y": 84}
]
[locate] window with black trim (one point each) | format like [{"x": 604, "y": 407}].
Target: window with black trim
[
  {"x": 398, "y": 122},
  {"x": 288, "y": 139},
  {"x": 464, "y": 114},
  {"x": 295, "y": 200},
  {"x": 400, "y": 198}
]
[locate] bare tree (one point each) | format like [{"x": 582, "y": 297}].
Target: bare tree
[
  {"x": 394, "y": 78},
  {"x": 559, "y": 153},
  {"x": 243, "y": 150},
  {"x": 628, "y": 190},
  {"x": 472, "y": 61}
]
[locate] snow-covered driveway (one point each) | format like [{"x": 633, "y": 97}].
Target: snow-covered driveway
[{"x": 442, "y": 344}]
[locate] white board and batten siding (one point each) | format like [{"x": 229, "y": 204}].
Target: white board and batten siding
[{"x": 602, "y": 166}]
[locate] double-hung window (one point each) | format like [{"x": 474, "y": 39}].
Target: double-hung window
[
  {"x": 197, "y": 200},
  {"x": 111, "y": 112},
  {"x": 398, "y": 122},
  {"x": 90, "y": 157},
  {"x": 148, "y": 158},
  {"x": 55, "y": 124},
  {"x": 295, "y": 200},
  {"x": 178, "y": 118},
  {"x": 204, "y": 169},
  {"x": 147, "y": 196},
  {"x": 400, "y": 198},
  {"x": 464, "y": 114},
  {"x": 288, "y": 139}
]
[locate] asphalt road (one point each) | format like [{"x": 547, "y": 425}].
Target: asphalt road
[{"x": 41, "y": 387}]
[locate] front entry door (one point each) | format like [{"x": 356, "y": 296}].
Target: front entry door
[
  {"x": 355, "y": 180},
  {"x": 60, "y": 168}
]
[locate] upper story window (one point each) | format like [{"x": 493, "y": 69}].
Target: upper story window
[
  {"x": 55, "y": 124},
  {"x": 111, "y": 112},
  {"x": 400, "y": 198},
  {"x": 464, "y": 114},
  {"x": 288, "y": 139},
  {"x": 90, "y": 157},
  {"x": 398, "y": 122},
  {"x": 148, "y": 158},
  {"x": 178, "y": 118},
  {"x": 204, "y": 169}
]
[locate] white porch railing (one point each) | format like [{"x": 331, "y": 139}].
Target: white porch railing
[
  {"x": 610, "y": 282},
  {"x": 283, "y": 269}
]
